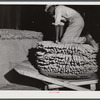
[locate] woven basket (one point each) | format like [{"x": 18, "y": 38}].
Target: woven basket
[{"x": 66, "y": 61}]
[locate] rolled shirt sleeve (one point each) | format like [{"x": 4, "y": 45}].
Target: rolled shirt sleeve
[{"x": 58, "y": 17}]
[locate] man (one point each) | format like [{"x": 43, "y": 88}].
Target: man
[
  {"x": 76, "y": 23},
  {"x": 72, "y": 33}
]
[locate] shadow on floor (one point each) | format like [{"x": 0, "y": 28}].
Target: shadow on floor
[{"x": 21, "y": 80}]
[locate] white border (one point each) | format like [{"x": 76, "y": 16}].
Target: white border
[
  {"x": 49, "y": 94},
  {"x": 43, "y": 3},
  {"x": 6, "y": 94}
]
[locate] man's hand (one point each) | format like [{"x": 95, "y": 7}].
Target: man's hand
[{"x": 57, "y": 42}]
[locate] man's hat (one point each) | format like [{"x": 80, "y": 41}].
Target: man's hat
[{"x": 47, "y": 6}]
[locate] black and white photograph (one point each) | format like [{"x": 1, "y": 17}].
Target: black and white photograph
[{"x": 50, "y": 47}]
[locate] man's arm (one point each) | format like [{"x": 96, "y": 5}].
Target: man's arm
[
  {"x": 58, "y": 24},
  {"x": 59, "y": 32}
]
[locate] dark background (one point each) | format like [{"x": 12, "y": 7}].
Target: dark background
[
  {"x": 33, "y": 17},
  {"x": 42, "y": 21}
]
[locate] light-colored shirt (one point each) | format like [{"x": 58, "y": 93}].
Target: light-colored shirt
[{"x": 62, "y": 13}]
